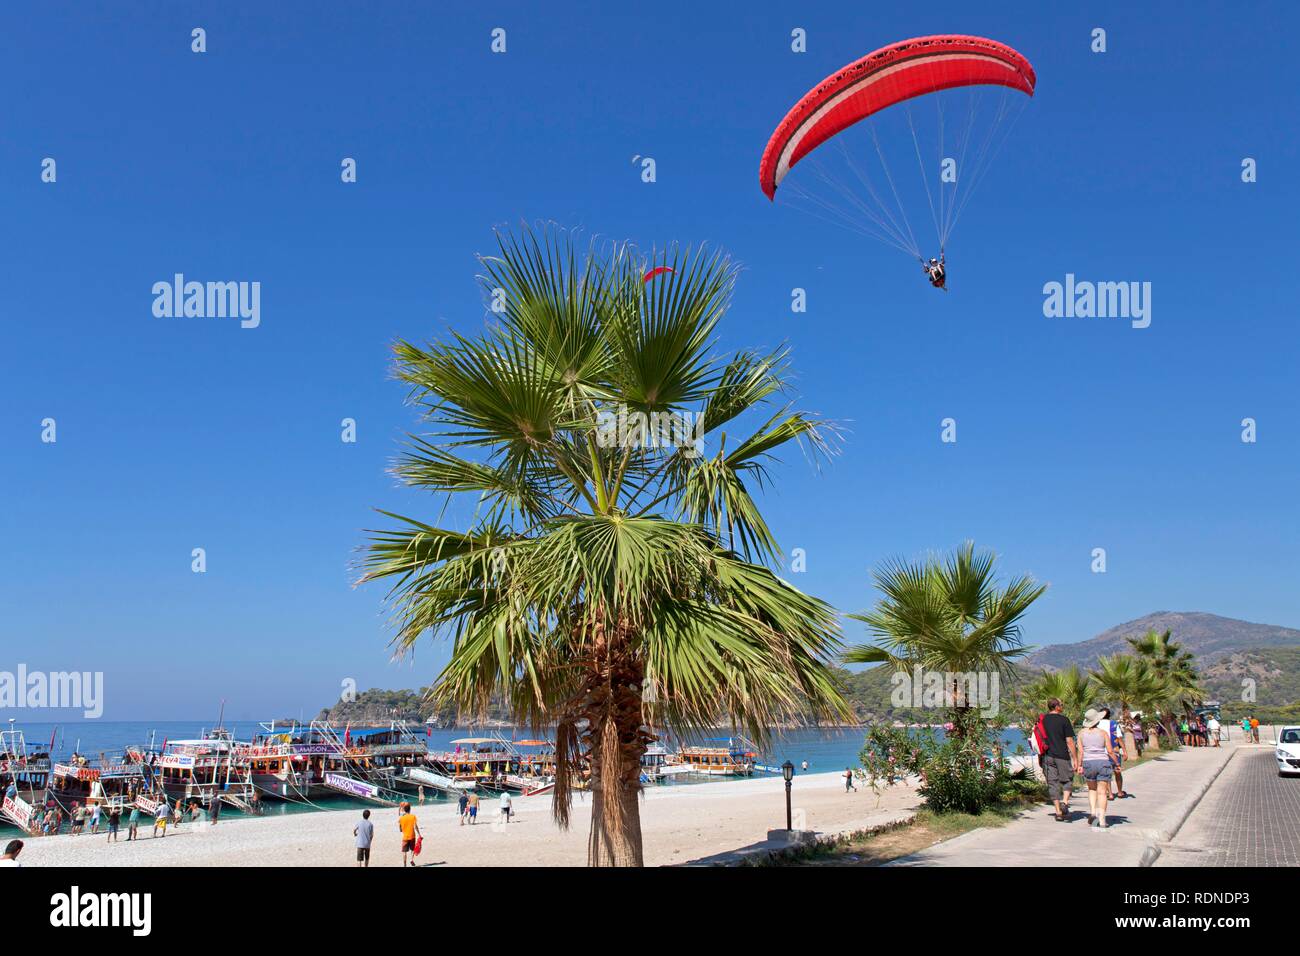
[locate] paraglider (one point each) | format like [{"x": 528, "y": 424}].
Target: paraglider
[
  {"x": 938, "y": 68},
  {"x": 658, "y": 270},
  {"x": 936, "y": 269}
]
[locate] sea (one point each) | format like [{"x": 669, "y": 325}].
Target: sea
[{"x": 825, "y": 749}]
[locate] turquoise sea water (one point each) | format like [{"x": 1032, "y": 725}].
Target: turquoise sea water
[{"x": 825, "y": 750}]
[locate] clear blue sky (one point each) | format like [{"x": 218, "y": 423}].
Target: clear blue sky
[{"x": 175, "y": 434}]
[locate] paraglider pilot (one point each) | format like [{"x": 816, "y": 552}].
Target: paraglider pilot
[{"x": 935, "y": 269}]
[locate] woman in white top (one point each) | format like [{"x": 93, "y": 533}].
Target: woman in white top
[{"x": 1096, "y": 761}]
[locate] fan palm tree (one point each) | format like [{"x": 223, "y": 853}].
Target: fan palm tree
[
  {"x": 947, "y": 615},
  {"x": 1073, "y": 688},
  {"x": 1182, "y": 685},
  {"x": 1127, "y": 679},
  {"x": 615, "y": 574}
]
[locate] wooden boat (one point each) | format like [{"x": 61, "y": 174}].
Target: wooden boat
[
  {"x": 734, "y": 760},
  {"x": 202, "y": 770},
  {"x": 24, "y": 779}
]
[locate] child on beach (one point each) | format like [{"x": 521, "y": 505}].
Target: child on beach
[
  {"x": 364, "y": 831},
  {"x": 410, "y": 828}
]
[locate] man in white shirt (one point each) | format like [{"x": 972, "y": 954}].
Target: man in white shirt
[
  {"x": 1212, "y": 725},
  {"x": 505, "y": 806},
  {"x": 12, "y": 849}
]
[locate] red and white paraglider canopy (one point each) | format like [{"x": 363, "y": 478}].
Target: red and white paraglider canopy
[{"x": 881, "y": 79}]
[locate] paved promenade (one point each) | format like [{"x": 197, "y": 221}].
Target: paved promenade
[
  {"x": 1250, "y": 817},
  {"x": 1164, "y": 790}
]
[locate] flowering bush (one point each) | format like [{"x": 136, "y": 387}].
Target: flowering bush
[{"x": 958, "y": 772}]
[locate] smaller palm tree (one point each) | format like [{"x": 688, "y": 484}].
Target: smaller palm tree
[
  {"x": 1073, "y": 688},
  {"x": 1182, "y": 685},
  {"x": 951, "y": 616},
  {"x": 1125, "y": 679}
]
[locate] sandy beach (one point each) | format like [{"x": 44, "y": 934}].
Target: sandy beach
[{"x": 685, "y": 824}]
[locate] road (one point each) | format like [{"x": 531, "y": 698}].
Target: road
[{"x": 1249, "y": 817}]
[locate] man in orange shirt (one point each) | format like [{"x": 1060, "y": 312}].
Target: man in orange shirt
[{"x": 410, "y": 828}]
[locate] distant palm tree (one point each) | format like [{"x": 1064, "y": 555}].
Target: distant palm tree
[
  {"x": 615, "y": 574},
  {"x": 1182, "y": 686},
  {"x": 1126, "y": 680},
  {"x": 948, "y": 616}
]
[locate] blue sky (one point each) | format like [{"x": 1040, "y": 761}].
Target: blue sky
[{"x": 173, "y": 434}]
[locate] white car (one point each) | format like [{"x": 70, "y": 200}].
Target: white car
[{"x": 1288, "y": 750}]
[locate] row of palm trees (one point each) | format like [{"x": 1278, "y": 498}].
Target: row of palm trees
[{"x": 1156, "y": 677}]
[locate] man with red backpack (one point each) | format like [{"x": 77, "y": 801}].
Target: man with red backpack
[{"x": 1054, "y": 740}]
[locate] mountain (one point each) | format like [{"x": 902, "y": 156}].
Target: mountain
[{"x": 1208, "y": 636}]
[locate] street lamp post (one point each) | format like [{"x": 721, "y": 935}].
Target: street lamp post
[{"x": 787, "y": 771}]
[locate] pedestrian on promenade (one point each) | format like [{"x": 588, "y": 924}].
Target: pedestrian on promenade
[
  {"x": 133, "y": 824},
  {"x": 1117, "y": 753},
  {"x": 1185, "y": 732},
  {"x": 1139, "y": 735},
  {"x": 364, "y": 831},
  {"x": 1096, "y": 761},
  {"x": 1254, "y": 728},
  {"x": 1060, "y": 758},
  {"x": 848, "y": 781},
  {"x": 462, "y": 807},
  {"x": 410, "y": 828},
  {"x": 1214, "y": 726},
  {"x": 114, "y": 818}
]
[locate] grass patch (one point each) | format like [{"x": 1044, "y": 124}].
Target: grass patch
[{"x": 892, "y": 842}]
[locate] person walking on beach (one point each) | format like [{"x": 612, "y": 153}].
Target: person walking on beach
[
  {"x": 114, "y": 818},
  {"x": 12, "y": 849},
  {"x": 160, "y": 818},
  {"x": 506, "y": 808},
  {"x": 410, "y": 828},
  {"x": 848, "y": 781},
  {"x": 804, "y": 766},
  {"x": 364, "y": 831},
  {"x": 473, "y": 807},
  {"x": 94, "y": 818},
  {"x": 1059, "y": 759},
  {"x": 133, "y": 824},
  {"x": 1096, "y": 761},
  {"x": 462, "y": 806}
]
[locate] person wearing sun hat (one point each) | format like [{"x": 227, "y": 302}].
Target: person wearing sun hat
[{"x": 1096, "y": 761}]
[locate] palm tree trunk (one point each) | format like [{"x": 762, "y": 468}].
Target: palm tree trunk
[
  {"x": 1130, "y": 745},
  {"x": 617, "y": 740}
]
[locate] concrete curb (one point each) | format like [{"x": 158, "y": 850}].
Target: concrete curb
[{"x": 1182, "y": 810}]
